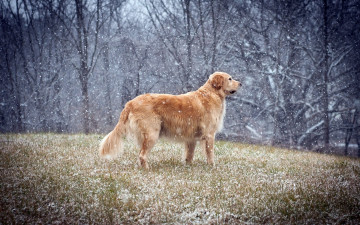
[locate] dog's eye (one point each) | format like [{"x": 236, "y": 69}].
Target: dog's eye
[{"x": 230, "y": 78}]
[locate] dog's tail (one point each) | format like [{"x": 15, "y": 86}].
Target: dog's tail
[{"x": 111, "y": 145}]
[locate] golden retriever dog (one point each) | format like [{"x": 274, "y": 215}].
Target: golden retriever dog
[{"x": 189, "y": 118}]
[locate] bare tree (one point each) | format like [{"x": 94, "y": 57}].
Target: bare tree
[
  {"x": 189, "y": 30},
  {"x": 34, "y": 49},
  {"x": 83, "y": 31}
]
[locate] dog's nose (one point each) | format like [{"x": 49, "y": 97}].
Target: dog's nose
[{"x": 240, "y": 84}]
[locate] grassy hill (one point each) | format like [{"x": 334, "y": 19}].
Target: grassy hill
[{"x": 56, "y": 178}]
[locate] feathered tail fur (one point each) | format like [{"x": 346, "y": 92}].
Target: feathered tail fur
[{"x": 111, "y": 145}]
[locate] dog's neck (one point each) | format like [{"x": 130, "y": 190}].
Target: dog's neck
[{"x": 207, "y": 87}]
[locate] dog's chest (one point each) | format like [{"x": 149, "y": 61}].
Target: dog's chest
[{"x": 220, "y": 124}]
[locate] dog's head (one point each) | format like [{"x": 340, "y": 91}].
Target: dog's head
[{"x": 223, "y": 83}]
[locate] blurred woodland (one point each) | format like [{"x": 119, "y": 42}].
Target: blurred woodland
[{"x": 71, "y": 65}]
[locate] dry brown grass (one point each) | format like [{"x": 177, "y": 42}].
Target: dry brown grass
[{"x": 53, "y": 178}]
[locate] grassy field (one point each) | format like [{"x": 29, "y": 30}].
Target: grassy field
[{"x": 56, "y": 179}]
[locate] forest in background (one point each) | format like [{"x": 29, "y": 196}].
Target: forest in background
[{"x": 71, "y": 65}]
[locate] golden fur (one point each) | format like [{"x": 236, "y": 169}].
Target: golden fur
[{"x": 191, "y": 117}]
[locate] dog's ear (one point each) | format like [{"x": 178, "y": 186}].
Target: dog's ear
[{"x": 217, "y": 82}]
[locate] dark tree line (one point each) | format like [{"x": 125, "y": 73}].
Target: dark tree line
[{"x": 70, "y": 65}]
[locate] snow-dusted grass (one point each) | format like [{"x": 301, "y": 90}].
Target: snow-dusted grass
[{"x": 53, "y": 178}]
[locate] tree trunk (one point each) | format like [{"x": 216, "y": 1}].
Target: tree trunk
[
  {"x": 15, "y": 99},
  {"x": 82, "y": 47},
  {"x": 107, "y": 85},
  {"x": 349, "y": 131},
  {"x": 188, "y": 45},
  {"x": 86, "y": 107},
  {"x": 325, "y": 67},
  {"x": 214, "y": 30}
]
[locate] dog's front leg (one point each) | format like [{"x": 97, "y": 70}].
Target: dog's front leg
[
  {"x": 209, "y": 149},
  {"x": 189, "y": 151}
]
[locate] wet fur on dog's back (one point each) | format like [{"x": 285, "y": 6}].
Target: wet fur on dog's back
[{"x": 191, "y": 117}]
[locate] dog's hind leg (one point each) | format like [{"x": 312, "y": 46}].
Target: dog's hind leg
[
  {"x": 148, "y": 140},
  {"x": 189, "y": 151}
]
